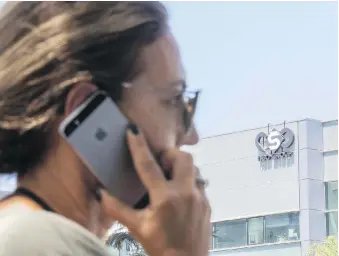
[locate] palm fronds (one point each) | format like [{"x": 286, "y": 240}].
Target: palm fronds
[
  {"x": 116, "y": 240},
  {"x": 120, "y": 237},
  {"x": 328, "y": 248}
]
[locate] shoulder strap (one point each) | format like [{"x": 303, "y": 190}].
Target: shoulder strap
[{"x": 27, "y": 193}]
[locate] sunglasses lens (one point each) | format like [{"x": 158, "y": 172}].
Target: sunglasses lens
[{"x": 190, "y": 99}]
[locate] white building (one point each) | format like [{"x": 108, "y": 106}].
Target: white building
[
  {"x": 7, "y": 184},
  {"x": 266, "y": 207}
]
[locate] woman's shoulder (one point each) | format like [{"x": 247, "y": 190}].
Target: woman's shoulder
[{"x": 27, "y": 232}]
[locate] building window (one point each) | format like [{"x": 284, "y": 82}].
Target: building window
[
  {"x": 332, "y": 223},
  {"x": 256, "y": 231},
  {"x": 229, "y": 234},
  {"x": 259, "y": 230},
  {"x": 332, "y": 208},
  {"x": 282, "y": 227},
  {"x": 332, "y": 195}
]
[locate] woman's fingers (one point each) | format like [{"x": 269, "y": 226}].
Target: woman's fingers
[
  {"x": 178, "y": 216},
  {"x": 147, "y": 168},
  {"x": 119, "y": 211},
  {"x": 183, "y": 169}
]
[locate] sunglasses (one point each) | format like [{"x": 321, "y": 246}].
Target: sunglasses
[{"x": 190, "y": 99}]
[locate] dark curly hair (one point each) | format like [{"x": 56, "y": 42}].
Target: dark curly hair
[{"x": 47, "y": 47}]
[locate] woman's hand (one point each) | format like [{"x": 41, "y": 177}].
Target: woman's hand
[{"x": 177, "y": 221}]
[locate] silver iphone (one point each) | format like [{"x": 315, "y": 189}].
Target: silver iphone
[{"x": 96, "y": 132}]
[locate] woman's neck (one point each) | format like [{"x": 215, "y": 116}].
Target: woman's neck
[{"x": 66, "y": 192}]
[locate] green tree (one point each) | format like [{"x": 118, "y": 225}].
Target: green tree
[
  {"x": 120, "y": 237},
  {"x": 328, "y": 248}
]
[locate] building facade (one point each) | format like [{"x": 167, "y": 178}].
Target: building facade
[
  {"x": 7, "y": 184},
  {"x": 273, "y": 190}
]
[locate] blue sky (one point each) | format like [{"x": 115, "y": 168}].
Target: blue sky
[{"x": 259, "y": 62}]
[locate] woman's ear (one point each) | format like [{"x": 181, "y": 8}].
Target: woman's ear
[{"x": 77, "y": 95}]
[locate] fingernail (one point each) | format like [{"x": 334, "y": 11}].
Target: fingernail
[{"x": 133, "y": 128}]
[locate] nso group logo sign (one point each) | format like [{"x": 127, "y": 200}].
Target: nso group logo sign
[{"x": 275, "y": 145}]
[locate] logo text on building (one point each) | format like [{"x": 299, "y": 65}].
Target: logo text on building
[{"x": 275, "y": 145}]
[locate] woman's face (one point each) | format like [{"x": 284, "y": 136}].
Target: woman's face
[{"x": 153, "y": 100}]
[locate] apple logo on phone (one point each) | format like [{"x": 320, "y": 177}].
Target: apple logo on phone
[{"x": 100, "y": 134}]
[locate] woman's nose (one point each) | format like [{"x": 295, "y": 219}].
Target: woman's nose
[{"x": 192, "y": 137}]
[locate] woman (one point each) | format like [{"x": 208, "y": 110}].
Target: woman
[{"x": 54, "y": 55}]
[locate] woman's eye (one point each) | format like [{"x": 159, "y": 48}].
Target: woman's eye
[{"x": 177, "y": 99}]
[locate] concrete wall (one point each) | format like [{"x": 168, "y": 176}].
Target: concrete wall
[
  {"x": 312, "y": 189},
  {"x": 239, "y": 184},
  {"x": 292, "y": 249}
]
